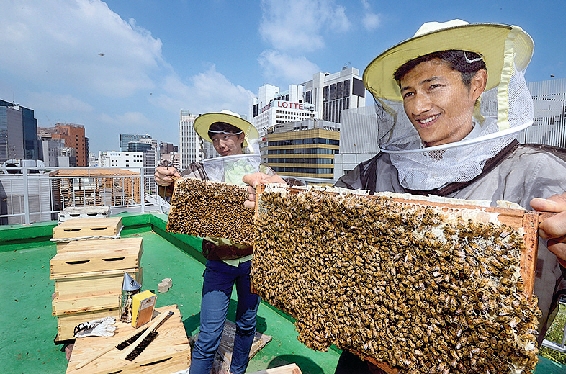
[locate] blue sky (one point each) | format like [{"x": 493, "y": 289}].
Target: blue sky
[{"x": 130, "y": 66}]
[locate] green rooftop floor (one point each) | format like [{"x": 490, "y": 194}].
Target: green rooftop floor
[{"x": 28, "y": 329}]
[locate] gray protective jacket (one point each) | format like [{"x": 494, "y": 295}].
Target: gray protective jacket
[{"x": 517, "y": 174}]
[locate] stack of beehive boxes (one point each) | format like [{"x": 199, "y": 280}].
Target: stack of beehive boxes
[{"x": 88, "y": 270}]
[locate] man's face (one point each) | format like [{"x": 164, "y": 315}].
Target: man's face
[
  {"x": 438, "y": 103},
  {"x": 228, "y": 144}
]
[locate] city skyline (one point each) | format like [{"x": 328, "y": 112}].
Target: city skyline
[{"x": 124, "y": 67}]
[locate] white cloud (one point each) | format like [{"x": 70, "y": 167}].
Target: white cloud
[
  {"x": 77, "y": 42},
  {"x": 278, "y": 66},
  {"x": 65, "y": 103},
  {"x": 209, "y": 91},
  {"x": 293, "y": 28},
  {"x": 299, "y": 24},
  {"x": 371, "y": 21},
  {"x": 129, "y": 121}
]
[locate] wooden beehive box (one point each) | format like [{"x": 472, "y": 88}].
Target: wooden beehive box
[
  {"x": 88, "y": 292},
  {"x": 170, "y": 352},
  {"x": 87, "y": 302},
  {"x": 79, "y": 228},
  {"x": 90, "y": 282},
  {"x": 409, "y": 283},
  {"x": 85, "y": 297},
  {"x": 88, "y": 273},
  {"x": 95, "y": 256}
]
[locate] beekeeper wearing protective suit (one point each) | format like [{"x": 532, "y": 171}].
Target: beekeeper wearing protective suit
[
  {"x": 228, "y": 264},
  {"x": 450, "y": 102},
  {"x": 435, "y": 139}
]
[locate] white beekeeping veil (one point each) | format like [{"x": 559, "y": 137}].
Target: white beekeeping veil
[{"x": 506, "y": 106}]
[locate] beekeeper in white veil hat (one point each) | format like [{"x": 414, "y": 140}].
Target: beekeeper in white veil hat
[{"x": 503, "y": 51}]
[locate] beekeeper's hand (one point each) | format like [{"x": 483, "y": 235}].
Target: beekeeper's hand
[
  {"x": 164, "y": 176},
  {"x": 553, "y": 228},
  {"x": 255, "y": 179}
]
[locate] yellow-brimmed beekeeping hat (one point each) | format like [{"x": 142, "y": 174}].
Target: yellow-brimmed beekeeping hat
[
  {"x": 501, "y": 46},
  {"x": 202, "y": 124}
]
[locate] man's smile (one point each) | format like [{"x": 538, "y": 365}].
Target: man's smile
[{"x": 428, "y": 121}]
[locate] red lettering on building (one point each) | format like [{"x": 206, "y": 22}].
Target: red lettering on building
[{"x": 290, "y": 105}]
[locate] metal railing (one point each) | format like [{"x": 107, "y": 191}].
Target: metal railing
[{"x": 35, "y": 194}]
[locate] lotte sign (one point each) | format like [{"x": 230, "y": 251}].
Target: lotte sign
[{"x": 284, "y": 105}]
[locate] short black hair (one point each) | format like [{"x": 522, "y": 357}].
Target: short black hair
[
  {"x": 223, "y": 126},
  {"x": 466, "y": 62}
]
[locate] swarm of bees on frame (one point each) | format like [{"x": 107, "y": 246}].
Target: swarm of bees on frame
[
  {"x": 397, "y": 283},
  {"x": 205, "y": 208}
]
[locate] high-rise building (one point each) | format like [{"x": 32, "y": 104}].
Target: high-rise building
[
  {"x": 323, "y": 97},
  {"x": 304, "y": 150},
  {"x": 18, "y": 132},
  {"x": 358, "y": 139},
  {"x": 126, "y": 138},
  {"x": 188, "y": 140},
  {"x": 74, "y": 137},
  {"x": 549, "y": 125},
  {"x": 140, "y": 146},
  {"x": 166, "y": 148},
  {"x": 54, "y": 152},
  {"x": 149, "y": 148},
  {"x": 332, "y": 93},
  {"x": 121, "y": 159},
  {"x": 273, "y": 108}
]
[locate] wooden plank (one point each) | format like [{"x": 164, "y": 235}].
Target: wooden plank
[
  {"x": 102, "y": 255},
  {"x": 99, "y": 273},
  {"x": 223, "y": 356},
  {"x": 110, "y": 244},
  {"x": 529, "y": 255},
  {"x": 110, "y": 281},
  {"x": 168, "y": 353},
  {"x": 90, "y": 244},
  {"x": 86, "y": 302},
  {"x": 88, "y": 227}
]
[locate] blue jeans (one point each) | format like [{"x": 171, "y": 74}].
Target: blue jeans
[{"x": 219, "y": 279}]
